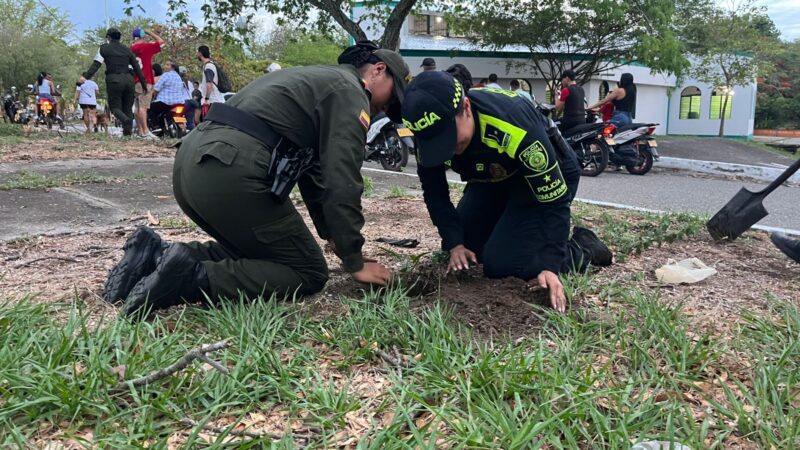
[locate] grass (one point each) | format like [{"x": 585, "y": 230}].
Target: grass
[
  {"x": 177, "y": 222},
  {"x": 33, "y": 180},
  {"x": 369, "y": 186},
  {"x": 587, "y": 380},
  {"x": 396, "y": 191}
]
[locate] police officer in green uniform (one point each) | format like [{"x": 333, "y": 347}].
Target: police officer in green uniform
[
  {"x": 119, "y": 82},
  {"x": 514, "y": 216},
  {"x": 234, "y": 172}
]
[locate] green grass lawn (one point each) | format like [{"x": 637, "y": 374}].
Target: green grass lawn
[{"x": 596, "y": 377}]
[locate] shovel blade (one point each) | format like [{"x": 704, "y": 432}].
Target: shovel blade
[{"x": 737, "y": 216}]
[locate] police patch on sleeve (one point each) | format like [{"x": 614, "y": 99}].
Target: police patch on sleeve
[
  {"x": 535, "y": 157},
  {"x": 364, "y": 119},
  {"x": 548, "y": 185}
]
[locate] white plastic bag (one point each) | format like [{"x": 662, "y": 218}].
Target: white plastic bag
[
  {"x": 690, "y": 270},
  {"x": 659, "y": 445}
]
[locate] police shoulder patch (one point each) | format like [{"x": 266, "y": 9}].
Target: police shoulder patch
[
  {"x": 363, "y": 117},
  {"x": 535, "y": 157}
]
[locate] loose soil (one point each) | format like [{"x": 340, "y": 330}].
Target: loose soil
[{"x": 751, "y": 272}]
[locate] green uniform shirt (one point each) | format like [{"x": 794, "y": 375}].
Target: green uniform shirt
[
  {"x": 118, "y": 59},
  {"x": 325, "y": 108}
]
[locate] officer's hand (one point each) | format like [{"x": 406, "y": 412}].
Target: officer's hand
[
  {"x": 551, "y": 282},
  {"x": 373, "y": 273},
  {"x": 460, "y": 257}
]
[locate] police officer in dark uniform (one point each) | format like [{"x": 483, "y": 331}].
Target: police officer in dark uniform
[
  {"x": 514, "y": 216},
  {"x": 119, "y": 82},
  {"x": 233, "y": 174}
]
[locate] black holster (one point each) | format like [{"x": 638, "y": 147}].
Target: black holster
[{"x": 286, "y": 166}]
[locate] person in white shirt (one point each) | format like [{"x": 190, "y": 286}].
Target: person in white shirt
[
  {"x": 493, "y": 81},
  {"x": 86, "y": 95},
  {"x": 517, "y": 88},
  {"x": 208, "y": 85}
]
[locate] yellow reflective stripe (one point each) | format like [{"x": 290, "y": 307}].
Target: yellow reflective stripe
[{"x": 500, "y": 135}]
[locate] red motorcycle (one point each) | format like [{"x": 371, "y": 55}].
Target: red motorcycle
[
  {"x": 47, "y": 113},
  {"x": 170, "y": 123}
]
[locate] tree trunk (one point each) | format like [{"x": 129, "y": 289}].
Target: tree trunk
[
  {"x": 722, "y": 114},
  {"x": 391, "y": 34}
]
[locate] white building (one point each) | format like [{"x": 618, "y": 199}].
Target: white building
[{"x": 693, "y": 108}]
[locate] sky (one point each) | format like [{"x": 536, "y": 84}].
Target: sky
[{"x": 86, "y": 14}]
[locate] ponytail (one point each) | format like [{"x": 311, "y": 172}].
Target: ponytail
[
  {"x": 40, "y": 78},
  {"x": 359, "y": 54}
]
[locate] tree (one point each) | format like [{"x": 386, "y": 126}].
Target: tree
[
  {"x": 778, "y": 102},
  {"x": 292, "y": 47},
  {"x": 322, "y": 15},
  {"x": 32, "y": 41},
  {"x": 731, "y": 46},
  {"x": 587, "y": 36}
]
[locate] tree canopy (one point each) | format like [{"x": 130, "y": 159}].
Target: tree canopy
[{"x": 587, "y": 36}]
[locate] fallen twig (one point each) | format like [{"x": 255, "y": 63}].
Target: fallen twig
[
  {"x": 197, "y": 353},
  {"x": 44, "y": 258}
]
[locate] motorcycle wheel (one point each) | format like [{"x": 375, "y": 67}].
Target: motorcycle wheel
[
  {"x": 174, "y": 131},
  {"x": 645, "y": 160},
  {"x": 399, "y": 154},
  {"x": 594, "y": 158},
  {"x": 49, "y": 122}
]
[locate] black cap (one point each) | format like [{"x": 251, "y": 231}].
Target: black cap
[
  {"x": 431, "y": 104},
  {"x": 113, "y": 33},
  {"x": 428, "y": 62},
  {"x": 401, "y": 76}
]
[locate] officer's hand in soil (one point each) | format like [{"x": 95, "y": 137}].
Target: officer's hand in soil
[
  {"x": 460, "y": 259},
  {"x": 551, "y": 282},
  {"x": 373, "y": 273}
]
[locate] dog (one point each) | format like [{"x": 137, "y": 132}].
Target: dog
[{"x": 103, "y": 119}]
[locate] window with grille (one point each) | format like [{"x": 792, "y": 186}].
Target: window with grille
[
  {"x": 690, "y": 103},
  {"x": 718, "y": 96}
]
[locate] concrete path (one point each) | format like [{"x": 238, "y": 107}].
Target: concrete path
[{"x": 719, "y": 149}]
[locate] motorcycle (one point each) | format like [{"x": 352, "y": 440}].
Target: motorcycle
[
  {"x": 170, "y": 123},
  {"x": 589, "y": 141},
  {"x": 47, "y": 114},
  {"x": 634, "y": 147},
  {"x": 388, "y": 143}
]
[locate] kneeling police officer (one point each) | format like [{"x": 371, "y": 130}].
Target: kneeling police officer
[
  {"x": 233, "y": 174},
  {"x": 514, "y": 216}
]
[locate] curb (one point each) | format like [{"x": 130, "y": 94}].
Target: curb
[{"x": 727, "y": 169}]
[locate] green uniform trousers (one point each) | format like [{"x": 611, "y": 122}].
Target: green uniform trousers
[
  {"x": 263, "y": 247},
  {"x": 120, "y": 99}
]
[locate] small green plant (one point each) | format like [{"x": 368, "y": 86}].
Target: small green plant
[
  {"x": 178, "y": 222},
  {"x": 440, "y": 258},
  {"x": 397, "y": 192},
  {"x": 369, "y": 188}
]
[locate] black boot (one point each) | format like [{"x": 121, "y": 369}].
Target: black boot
[
  {"x": 789, "y": 247},
  {"x": 599, "y": 254},
  {"x": 178, "y": 277},
  {"x": 142, "y": 250}
]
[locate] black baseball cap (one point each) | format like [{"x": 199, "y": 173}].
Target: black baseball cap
[
  {"x": 428, "y": 62},
  {"x": 401, "y": 76},
  {"x": 432, "y": 101},
  {"x": 113, "y": 33}
]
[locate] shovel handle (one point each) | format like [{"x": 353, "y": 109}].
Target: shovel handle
[{"x": 781, "y": 179}]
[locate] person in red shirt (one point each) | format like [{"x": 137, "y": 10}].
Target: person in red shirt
[{"x": 144, "y": 51}]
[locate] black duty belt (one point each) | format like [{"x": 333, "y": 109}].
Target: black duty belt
[{"x": 245, "y": 122}]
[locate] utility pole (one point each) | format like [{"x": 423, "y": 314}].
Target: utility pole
[{"x": 105, "y": 2}]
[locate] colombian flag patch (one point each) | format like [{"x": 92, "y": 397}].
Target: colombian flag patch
[{"x": 364, "y": 119}]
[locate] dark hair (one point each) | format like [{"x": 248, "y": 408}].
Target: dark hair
[
  {"x": 40, "y": 78},
  {"x": 114, "y": 34},
  {"x": 515, "y": 83},
  {"x": 493, "y": 78},
  {"x": 484, "y": 81},
  {"x": 359, "y": 54},
  {"x": 461, "y": 73},
  {"x": 626, "y": 80},
  {"x": 205, "y": 51},
  {"x": 157, "y": 70},
  {"x": 569, "y": 73},
  {"x": 197, "y": 93}
]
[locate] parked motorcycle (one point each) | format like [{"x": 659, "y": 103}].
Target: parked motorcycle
[
  {"x": 589, "y": 142},
  {"x": 388, "y": 143},
  {"x": 634, "y": 147},
  {"x": 171, "y": 123}
]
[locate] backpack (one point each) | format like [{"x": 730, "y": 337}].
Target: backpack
[{"x": 223, "y": 83}]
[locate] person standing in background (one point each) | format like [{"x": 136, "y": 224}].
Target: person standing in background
[
  {"x": 517, "y": 88},
  {"x": 86, "y": 96},
  {"x": 144, "y": 52},
  {"x": 493, "y": 82},
  {"x": 428, "y": 64},
  {"x": 208, "y": 85}
]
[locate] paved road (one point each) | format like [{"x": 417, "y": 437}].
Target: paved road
[{"x": 667, "y": 190}]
